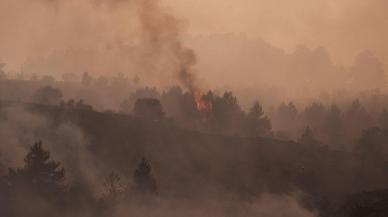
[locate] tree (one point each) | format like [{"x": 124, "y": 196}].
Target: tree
[
  {"x": 258, "y": 124},
  {"x": 82, "y": 106},
  {"x": 48, "y": 95},
  {"x": 5, "y": 195},
  {"x": 383, "y": 120},
  {"x": 227, "y": 113},
  {"x": 113, "y": 186},
  {"x": 118, "y": 83},
  {"x": 288, "y": 111},
  {"x": 355, "y": 107},
  {"x": 172, "y": 101},
  {"x": 69, "y": 77},
  {"x": 149, "y": 108},
  {"x": 144, "y": 181},
  {"x": 47, "y": 79},
  {"x": 39, "y": 173},
  {"x": 2, "y": 168},
  {"x": 189, "y": 108},
  {"x": 86, "y": 79},
  {"x": 285, "y": 120},
  {"x": 334, "y": 126},
  {"x": 373, "y": 142},
  {"x": 356, "y": 119},
  {"x": 307, "y": 137},
  {"x": 2, "y": 72},
  {"x": 314, "y": 114},
  {"x": 102, "y": 82},
  {"x": 145, "y": 92},
  {"x": 367, "y": 72}
]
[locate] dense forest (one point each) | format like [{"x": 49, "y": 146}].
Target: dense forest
[{"x": 177, "y": 152}]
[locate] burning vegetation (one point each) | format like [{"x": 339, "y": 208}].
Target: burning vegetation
[{"x": 202, "y": 104}]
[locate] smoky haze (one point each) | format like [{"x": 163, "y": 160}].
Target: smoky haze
[
  {"x": 101, "y": 37},
  {"x": 272, "y": 46},
  {"x": 110, "y": 108},
  {"x": 345, "y": 27}
]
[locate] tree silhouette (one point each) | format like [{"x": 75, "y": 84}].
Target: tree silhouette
[
  {"x": 189, "y": 108},
  {"x": 47, "y": 79},
  {"x": 307, "y": 137},
  {"x": 2, "y": 72},
  {"x": 383, "y": 120},
  {"x": 146, "y": 92},
  {"x": 258, "y": 124},
  {"x": 102, "y": 82},
  {"x": 86, "y": 79},
  {"x": 144, "y": 182},
  {"x": 48, "y": 95},
  {"x": 356, "y": 119},
  {"x": 82, "y": 106},
  {"x": 334, "y": 126},
  {"x": 172, "y": 101},
  {"x": 39, "y": 172},
  {"x": 372, "y": 143},
  {"x": 227, "y": 113},
  {"x": 288, "y": 111},
  {"x": 149, "y": 108},
  {"x": 113, "y": 186},
  {"x": 314, "y": 114},
  {"x": 285, "y": 120},
  {"x": 366, "y": 61},
  {"x": 69, "y": 77},
  {"x": 5, "y": 202}
]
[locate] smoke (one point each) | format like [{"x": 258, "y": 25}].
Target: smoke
[
  {"x": 344, "y": 27},
  {"x": 256, "y": 69},
  {"x": 133, "y": 37},
  {"x": 162, "y": 33},
  {"x": 144, "y": 38},
  {"x": 19, "y": 129},
  {"x": 266, "y": 205}
]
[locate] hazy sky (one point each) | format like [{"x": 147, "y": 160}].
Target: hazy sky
[{"x": 344, "y": 27}]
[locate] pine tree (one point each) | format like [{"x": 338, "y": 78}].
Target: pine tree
[
  {"x": 257, "y": 122},
  {"x": 334, "y": 126},
  {"x": 307, "y": 137},
  {"x": 144, "y": 182},
  {"x": 39, "y": 172}
]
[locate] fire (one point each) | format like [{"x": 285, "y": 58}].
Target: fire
[{"x": 202, "y": 104}]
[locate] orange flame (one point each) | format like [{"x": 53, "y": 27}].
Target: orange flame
[{"x": 202, "y": 104}]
